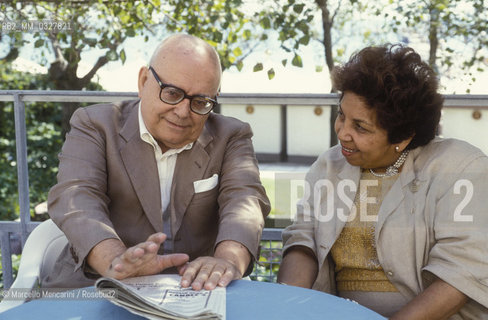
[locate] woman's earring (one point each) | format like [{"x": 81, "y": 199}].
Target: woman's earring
[{"x": 397, "y": 149}]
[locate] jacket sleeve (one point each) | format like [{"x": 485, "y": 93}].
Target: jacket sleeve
[
  {"x": 242, "y": 200},
  {"x": 79, "y": 201},
  {"x": 459, "y": 255},
  {"x": 302, "y": 231}
]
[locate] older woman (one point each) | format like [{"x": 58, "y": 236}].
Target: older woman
[{"x": 396, "y": 219}]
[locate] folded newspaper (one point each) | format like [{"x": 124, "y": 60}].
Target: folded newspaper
[{"x": 161, "y": 297}]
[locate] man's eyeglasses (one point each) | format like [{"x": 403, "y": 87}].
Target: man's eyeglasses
[{"x": 173, "y": 95}]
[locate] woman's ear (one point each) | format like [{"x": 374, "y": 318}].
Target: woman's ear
[{"x": 403, "y": 144}]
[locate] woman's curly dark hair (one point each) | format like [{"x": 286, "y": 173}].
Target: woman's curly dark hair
[{"x": 402, "y": 89}]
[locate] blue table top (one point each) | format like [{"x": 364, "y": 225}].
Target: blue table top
[{"x": 245, "y": 300}]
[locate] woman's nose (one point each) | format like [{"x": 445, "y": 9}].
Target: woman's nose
[{"x": 342, "y": 131}]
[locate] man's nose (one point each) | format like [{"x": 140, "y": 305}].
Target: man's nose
[{"x": 182, "y": 109}]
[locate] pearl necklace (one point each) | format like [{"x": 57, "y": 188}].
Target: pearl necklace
[{"x": 393, "y": 169}]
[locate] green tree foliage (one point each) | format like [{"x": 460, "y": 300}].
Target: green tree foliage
[
  {"x": 104, "y": 25},
  {"x": 84, "y": 26},
  {"x": 236, "y": 31},
  {"x": 43, "y": 122},
  {"x": 456, "y": 31},
  {"x": 15, "y": 267}
]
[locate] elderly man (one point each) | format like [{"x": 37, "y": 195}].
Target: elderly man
[{"x": 148, "y": 185}]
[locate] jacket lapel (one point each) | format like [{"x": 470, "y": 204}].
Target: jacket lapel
[
  {"x": 140, "y": 164},
  {"x": 396, "y": 194},
  {"x": 190, "y": 166},
  {"x": 341, "y": 206},
  {"x": 352, "y": 174}
]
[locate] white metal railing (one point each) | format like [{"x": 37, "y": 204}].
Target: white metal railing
[{"x": 19, "y": 97}]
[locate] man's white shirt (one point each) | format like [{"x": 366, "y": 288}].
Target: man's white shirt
[{"x": 166, "y": 161}]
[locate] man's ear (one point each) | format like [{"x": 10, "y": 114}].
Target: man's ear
[{"x": 141, "y": 80}]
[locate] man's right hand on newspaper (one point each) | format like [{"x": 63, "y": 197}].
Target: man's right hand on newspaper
[{"x": 111, "y": 258}]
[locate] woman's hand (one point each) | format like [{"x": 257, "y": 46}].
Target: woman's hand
[{"x": 439, "y": 301}]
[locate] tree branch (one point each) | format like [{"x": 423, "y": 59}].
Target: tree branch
[
  {"x": 335, "y": 13},
  {"x": 102, "y": 60}
]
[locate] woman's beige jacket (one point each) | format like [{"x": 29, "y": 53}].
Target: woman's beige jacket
[{"x": 433, "y": 221}]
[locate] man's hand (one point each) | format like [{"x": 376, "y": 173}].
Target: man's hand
[
  {"x": 207, "y": 273},
  {"x": 229, "y": 263},
  {"x": 112, "y": 259}
]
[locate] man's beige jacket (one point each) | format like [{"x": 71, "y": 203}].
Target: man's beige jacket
[{"x": 108, "y": 187}]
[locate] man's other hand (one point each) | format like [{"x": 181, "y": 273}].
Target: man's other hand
[
  {"x": 229, "y": 262},
  {"x": 207, "y": 273}
]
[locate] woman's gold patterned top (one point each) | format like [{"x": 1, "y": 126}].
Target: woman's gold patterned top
[{"x": 354, "y": 252}]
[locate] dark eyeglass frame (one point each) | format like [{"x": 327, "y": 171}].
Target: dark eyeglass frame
[{"x": 164, "y": 85}]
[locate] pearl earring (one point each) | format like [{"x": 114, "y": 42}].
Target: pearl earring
[{"x": 397, "y": 149}]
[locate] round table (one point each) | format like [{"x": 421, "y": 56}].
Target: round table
[{"x": 245, "y": 300}]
